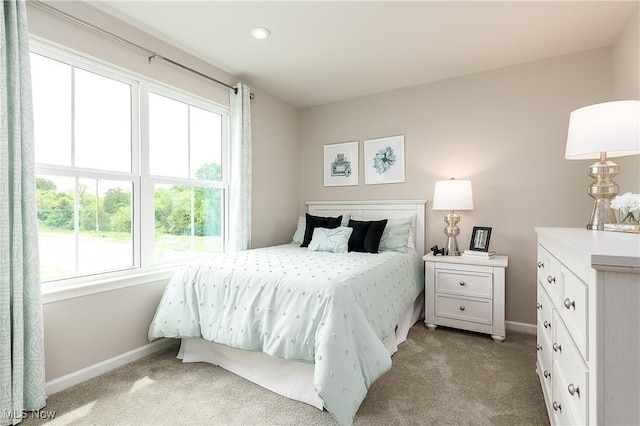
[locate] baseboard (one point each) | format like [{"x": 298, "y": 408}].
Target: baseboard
[
  {"x": 71, "y": 379},
  {"x": 522, "y": 327}
]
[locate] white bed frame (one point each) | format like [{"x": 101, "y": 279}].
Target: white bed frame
[{"x": 294, "y": 379}]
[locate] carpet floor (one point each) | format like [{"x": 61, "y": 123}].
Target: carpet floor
[{"x": 441, "y": 377}]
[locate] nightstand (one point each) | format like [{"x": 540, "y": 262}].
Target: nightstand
[{"x": 465, "y": 292}]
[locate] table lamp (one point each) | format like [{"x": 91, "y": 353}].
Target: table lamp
[
  {"x": 452, "y": 195},
  {"x": 602, "y": 131}
]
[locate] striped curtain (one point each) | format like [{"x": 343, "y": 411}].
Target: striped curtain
[{"x": 22, "y": 378}]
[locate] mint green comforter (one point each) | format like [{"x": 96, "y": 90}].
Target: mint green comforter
[{"x": 323, "y": 308}]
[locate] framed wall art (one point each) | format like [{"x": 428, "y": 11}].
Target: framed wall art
[
  {"x": 340, "y": 166},
  {"x": 384, "y": 160}
]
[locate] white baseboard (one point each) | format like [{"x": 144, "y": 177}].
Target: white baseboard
[
  {"x": 71, "y": 379},
  {"x": 522, "y": 327}
]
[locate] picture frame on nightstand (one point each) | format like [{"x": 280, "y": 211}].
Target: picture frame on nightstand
[{"x": 480, "y": 238}]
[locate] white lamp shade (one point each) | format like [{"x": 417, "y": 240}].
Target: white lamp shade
[
  {"x": 611, "y": 127},
  {"x": 453, "y": 195}
]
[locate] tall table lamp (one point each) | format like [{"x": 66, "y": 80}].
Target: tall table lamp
[
  {"x": 602, "y": 131},
  {"x": 452, "y": 195}
]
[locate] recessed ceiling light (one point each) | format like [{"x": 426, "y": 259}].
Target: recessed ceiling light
[{"x": 260, "y": 33}]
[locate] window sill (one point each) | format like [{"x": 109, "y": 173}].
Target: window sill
[{"x": 71, "y": 291}]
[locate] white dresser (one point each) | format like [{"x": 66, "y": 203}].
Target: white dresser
[
  {"x": 465, "y": 292},
  {"x": 588, "y": 308}
]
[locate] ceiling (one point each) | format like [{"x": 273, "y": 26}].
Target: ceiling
[{"x": 325, "y": 51}]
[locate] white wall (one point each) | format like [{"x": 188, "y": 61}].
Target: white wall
[
  {"x": 84, "y": 331},
  {"x": 625, "y": 84},
  {"x": 505, "y": 130}
]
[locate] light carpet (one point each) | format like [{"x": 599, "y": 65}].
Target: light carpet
[{"x": 441, "y": 377}]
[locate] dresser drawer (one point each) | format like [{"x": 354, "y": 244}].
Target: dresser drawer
[
  {"x": 550, "y": 275},
  {"x": 545, "y": 313},
  {"x": 574, "y": 309},
  {"x": 473, "y": 284},
  {"x": 544, "y": 358},
  {"x": 571, "y": 374},
  {"x": 465, "y": 309}
]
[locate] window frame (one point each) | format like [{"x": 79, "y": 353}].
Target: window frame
[{"x": 143, "y": 212}]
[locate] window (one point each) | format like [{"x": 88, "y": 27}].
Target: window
[{"x": 130, "y": 174}]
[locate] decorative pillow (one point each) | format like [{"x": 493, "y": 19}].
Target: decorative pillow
[
  {"x": 366, "y": 235},
  {"x": 335, "y": 240},
  {"x": 396, "y": 234},
  {"x": 313, "y": 222},
  {"x": 298, "y": 236}
]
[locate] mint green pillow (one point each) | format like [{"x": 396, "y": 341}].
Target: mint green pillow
[
  {"x": 335, "y": 240},
  {"x": 298, "y": 236}
]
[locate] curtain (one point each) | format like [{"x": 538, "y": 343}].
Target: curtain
[
  {"x": 22, "y": 379},
  {"x": 240, "y": 180}
]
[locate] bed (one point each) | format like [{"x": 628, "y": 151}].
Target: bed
[{"x": 315, "y": 326}]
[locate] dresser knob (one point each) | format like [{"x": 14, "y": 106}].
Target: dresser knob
[
  {"x": 462, "y": 308},
  {"x": 462, "y": 283},
  {"x": 547, "y": 324},
  {"x": 556, "y": 406},
  {"x": 538, "y": 347},
  {"x": 568, "y": 303},
  {"x": 546, "y": 374},
  {"x": 551, "y": 280},
  {"x": 540, "y": 265},
  {"x": 573, "y": 390},
  {"x": 557, "y": 347},
  {"x": 539, "y": 306}
]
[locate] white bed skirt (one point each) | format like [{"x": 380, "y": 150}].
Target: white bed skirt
[{"x": 293, "y": 379}]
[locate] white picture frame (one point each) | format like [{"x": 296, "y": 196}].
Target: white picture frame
[
  {"x": 340, "y": 164},
  {"x": 384, "y": 160}
]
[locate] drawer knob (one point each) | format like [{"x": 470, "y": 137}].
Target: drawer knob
[
  {"x": 573, "y": 390},
  {"x": 540, "y": 265},
  {"x": 546, "y": 374},
  {"x": 539, "y": 305},
  {"x": 568, "y": 303},
  {"x": 557, "y": 347},
  {"x": 462, "y": 283},
  {"x": 547, "y": 324},
  {"x": 462, "y": 308},
  {"x": 551, "y": 280},
  {"x": 556, "y": 406},
  {"x": 538, "y": 347}
]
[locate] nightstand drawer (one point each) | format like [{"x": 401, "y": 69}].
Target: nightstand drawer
[
  {"x": 472, "y": 284},
  {"x": 474, "y": 310}
]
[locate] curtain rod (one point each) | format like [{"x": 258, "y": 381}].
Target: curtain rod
[{"x": 151, "y": 53}]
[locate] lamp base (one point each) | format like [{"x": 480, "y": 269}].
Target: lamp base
[
  {"x": 603, "y": 189},
  {"x": 451, "y": 231}
]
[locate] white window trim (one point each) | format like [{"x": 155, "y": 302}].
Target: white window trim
[{"x": 85, "y": 285}]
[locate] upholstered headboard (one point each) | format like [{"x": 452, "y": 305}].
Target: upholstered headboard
[{"x": 382, "y": 209}]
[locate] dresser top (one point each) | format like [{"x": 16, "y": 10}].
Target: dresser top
[{"x": 604, "y": 248}]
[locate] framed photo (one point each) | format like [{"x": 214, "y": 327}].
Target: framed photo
[
  {"x": 384, "y": 160},
  {"x": 340, "y": 165},
  {"x": 480, "y": 238}
]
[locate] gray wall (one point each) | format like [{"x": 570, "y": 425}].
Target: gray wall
[
  {"x": 505, "y": 130},
  {"x": 84, "y": 331}
]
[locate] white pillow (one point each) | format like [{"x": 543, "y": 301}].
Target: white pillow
[
  {"x": 298, "y": 236},
  {"x": 334, "y": 240}
]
